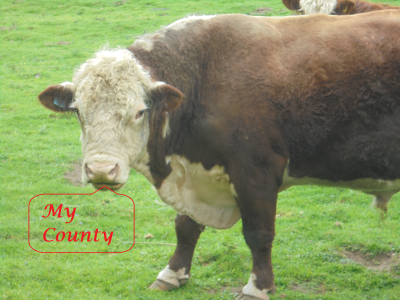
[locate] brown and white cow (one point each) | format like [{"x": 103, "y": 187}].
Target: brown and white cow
[
  {"x": 334, "y": 7},
  {"x": 220, "y": 113}
]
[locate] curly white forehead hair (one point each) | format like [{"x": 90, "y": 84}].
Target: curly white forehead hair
[{"x": 115, "y": 72}]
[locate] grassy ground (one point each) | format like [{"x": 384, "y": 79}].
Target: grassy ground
[{"x": 41, "y": 44}]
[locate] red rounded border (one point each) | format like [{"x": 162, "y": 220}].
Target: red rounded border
[{"x": 86, "y": 194}]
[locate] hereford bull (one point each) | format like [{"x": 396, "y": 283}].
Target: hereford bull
[
  {"x": 334, "y": 7},
  {"x": 220, "y": 113}
]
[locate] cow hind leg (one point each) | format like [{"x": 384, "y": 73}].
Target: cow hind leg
[
  {"x": 381, "y": 201},
  {"x": 177, "y": 271}
]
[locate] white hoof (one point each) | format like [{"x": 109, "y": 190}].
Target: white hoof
[{"x": 249, "y": 297}]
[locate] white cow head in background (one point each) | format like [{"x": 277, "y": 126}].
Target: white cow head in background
[{"x": 115, "y": 99}]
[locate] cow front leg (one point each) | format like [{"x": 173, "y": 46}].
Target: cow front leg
[
  {"x": 257, "y": 204},
  {"x": 259, "y": 232},
  {"x": 177, "y": 271}
]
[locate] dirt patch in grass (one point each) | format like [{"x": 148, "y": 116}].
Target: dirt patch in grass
[
  {"x": 236, "y": 291},
  {"x": 307, "y": 287},
  {"x": 381, "y": 262},
  {"x": 60, "y": 43},
  {"x": 8, "y": 28},
  {"x": 118, "y": 3},
  {"x": 261, "y": 11},
  {"x": 63, "y": 43},
  {"x": 75, "y": 175},
  {"x": 298, "y": 288}
]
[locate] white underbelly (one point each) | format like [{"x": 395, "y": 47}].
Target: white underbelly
[
  {"x": 203, "y": 195},
  {"x": 367, "y": 185}
]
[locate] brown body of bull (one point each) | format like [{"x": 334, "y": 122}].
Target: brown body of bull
[{"x": 274, "y": 102}]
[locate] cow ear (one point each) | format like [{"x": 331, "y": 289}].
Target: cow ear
[
  {"x": 292, "y": 4},
  {"x": 345, "y": 7},
  {"x": 58, "y": 97},
  {"x": 166, "y": 97}
]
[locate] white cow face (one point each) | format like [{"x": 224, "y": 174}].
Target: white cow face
[
  {"x": 114, "y": 99},
  {"x": 310, "y": 7}
]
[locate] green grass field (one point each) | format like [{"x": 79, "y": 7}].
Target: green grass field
[{"x": 41, "y": 43}]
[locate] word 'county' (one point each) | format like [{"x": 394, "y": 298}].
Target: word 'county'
[{"x": 77, "y": 236}]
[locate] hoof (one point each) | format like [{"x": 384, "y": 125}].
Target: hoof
[
  {"x": 248, "y": 297},
  {"x": 163, "y": 286}
]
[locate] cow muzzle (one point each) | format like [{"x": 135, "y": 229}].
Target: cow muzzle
[{"x": 103, "y": 174}]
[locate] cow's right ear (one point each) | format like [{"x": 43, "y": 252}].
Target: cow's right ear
[
  {"x": 58, "y": 97},
  {"x": 345, "y": 7}
]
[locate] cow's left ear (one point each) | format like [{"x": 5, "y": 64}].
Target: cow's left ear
[
  {"x": 58, "y": 97},
  {"x": 292, "y": 4},
  {"x": 345, "y": 7},
  {"x": 166, "y": 97}
]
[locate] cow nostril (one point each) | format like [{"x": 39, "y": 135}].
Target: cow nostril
[
  {"x": 88, "y": 170},
  {"x": 114, "y": 171},
  {"x": 101, "y": 171}
]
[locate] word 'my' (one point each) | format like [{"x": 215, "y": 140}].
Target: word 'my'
[{"x": 59, "y": 209}]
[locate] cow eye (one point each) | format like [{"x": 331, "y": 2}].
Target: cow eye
[
  {"x": 140, "y": 113},
  {"x": 77, "y": 111}
]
